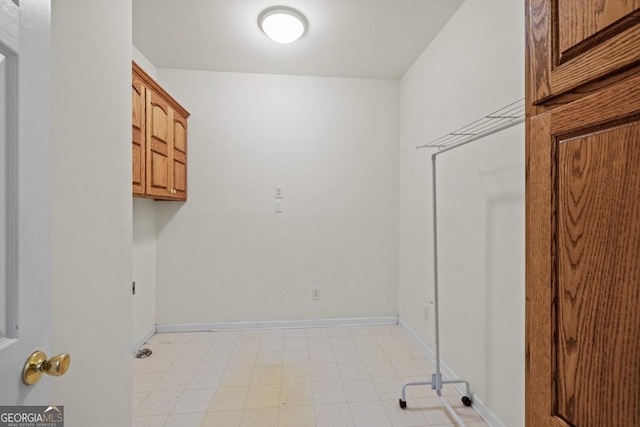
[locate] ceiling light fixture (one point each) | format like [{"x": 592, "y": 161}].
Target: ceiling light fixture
[{"x": 283, "y": 24}]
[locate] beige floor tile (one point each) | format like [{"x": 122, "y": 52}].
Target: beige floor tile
[
  {"x": 271, "y": 345},
  {"x": 296, "y": 374},
  {"x": 157, "y": 363},
  {"x": 205, "y": 379},
  {"x": 357, "y": 331},
  {"x": 408, "y": 417},
  {"x": 146, "y": 381},
  {"x": 159, "y": 403},
  {"x": 223, "y": 419},
  {"x": 381, "y": 369},
  {"x": 295, "y": 344},
  {"x": 379, "y": 330},
  {"x": 247, "y": 347},
  {"x": 296, "y": 394},
  {"x": 369, "y": 414},
  {"x": 196, "y": 348},
  {"x": 320, "y": 343},
  {"x": 237, "y": 377},
  {"x": 295, "y": 333},
  {"x": 150, "y": 421},
  {"x": 252, "y": 335},
  {"x": 434, "y": 411},
  {"x": 227, "y": 336},
  {"x": 329, "y": 392},
  {"x": 342, "y": 342},
  {"x": 222, "y": 347},
  {"x": 174, "y": 381},
  {"x": 137, "y": 400},
  {"x": 333, "y": 415},
  {"x": 263, "y": 396},
  {"x": 229, "y": 398},
  {"x": 388, "y": 388},
  {"x": 397, "y": 353},
  {"x": 273, "y": 334},
  {"x": 317, "y": 333},
  {"x": 325, "y": 372},
  {"x": 347, "y": 355},
  {"x": 193, "y": 401},
  {"x": 267, "y": 376},
  {"x": 215, "y": 361},
  {"x": 408, "y": 368},
  {"x": 365, "y": 341},
  {"x": 242, "y": 360},
  {"x": 182, "y": 337},
  {"x": 320, "y": 356},
  {"x": 360, "y": 391},
  {"x": 169, "y": 349},
  {"x": 338, "y": 331},
  {"x": 324, "y": 377},
  {"x": 262, "y": 417},
  {"x": 297, "y": 416},
  {"x": 388, "y": 340},
  {"x": 185, "y": 363},
  {"x": 203, "y": 337},
  {"x": 372, "y": 354},
  {"x": 353, "y": 371},
  {"x": 269, "y": 358},
  {"x": 292, "y": 358},
  {"x": 138, "y": 364},
  {"x": 185, "y": 420}
]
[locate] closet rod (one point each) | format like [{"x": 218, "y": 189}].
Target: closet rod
[{"x": 506, "y": 117}]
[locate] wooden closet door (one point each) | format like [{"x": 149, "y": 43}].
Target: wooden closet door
[
  {"x": 159, "y": 134},
  {"x": 579, "y": 42},
  {"x": 583, "y": 261},
  {"x": 138, "y": 136}
]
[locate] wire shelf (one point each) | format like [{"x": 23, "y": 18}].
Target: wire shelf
[{"x": 501, "y": 119}]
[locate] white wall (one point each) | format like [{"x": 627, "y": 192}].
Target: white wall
[
  {"x": 91, "y": 128},
  {"x": 144, "y": 269},
  {"x": 475, "y": 66},
  {"x": 331, "y": 143},
  {"x": 144, "y": 249}
]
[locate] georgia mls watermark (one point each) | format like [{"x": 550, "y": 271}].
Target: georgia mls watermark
[{"x": 31, "y": 416}]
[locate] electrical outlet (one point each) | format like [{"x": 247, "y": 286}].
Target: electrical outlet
[
  {"x": 315, "y": 293},
  {"x": 278, "y": 192},
  {"x": 425, "y": 312}
]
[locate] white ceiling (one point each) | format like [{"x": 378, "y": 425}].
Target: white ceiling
[{"x": 346, "y": 38}]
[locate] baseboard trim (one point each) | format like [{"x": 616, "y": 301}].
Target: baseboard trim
[
  {"x": 489, "y": 417},
  {"x": 143, "y": 339},
  {"x": 268, "y": 324}
]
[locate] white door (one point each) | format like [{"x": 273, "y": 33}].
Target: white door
[{"x": 25, "y": 197}]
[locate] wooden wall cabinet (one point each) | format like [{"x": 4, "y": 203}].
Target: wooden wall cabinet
[
  {"x": 583, "y": 213},
  {"x": 159, "y": 141}
]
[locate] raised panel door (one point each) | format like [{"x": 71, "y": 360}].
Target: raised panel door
[
  {"x": 158, "y": 146},
  {"x": 138, "y": 136},
  {"x": 583, "y": 274},
  {"x": 179, "y": 158},
  {"x": 580, "y": 42}
]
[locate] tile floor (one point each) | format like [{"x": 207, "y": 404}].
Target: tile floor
[{"x": 343, "y": 376}]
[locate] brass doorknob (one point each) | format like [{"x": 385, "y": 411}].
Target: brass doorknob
[{"x": 37, "y": 364}]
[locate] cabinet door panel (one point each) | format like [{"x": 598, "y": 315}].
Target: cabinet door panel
[
  {"x": 573, "y": 43},
  {"x": 598, "y": 282},
  {"x": 583, "y": 274},
  {"x": 158, "y": 124},
  {"x": 138, "y": 136},
  {"x": 179, "y": 158}
]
